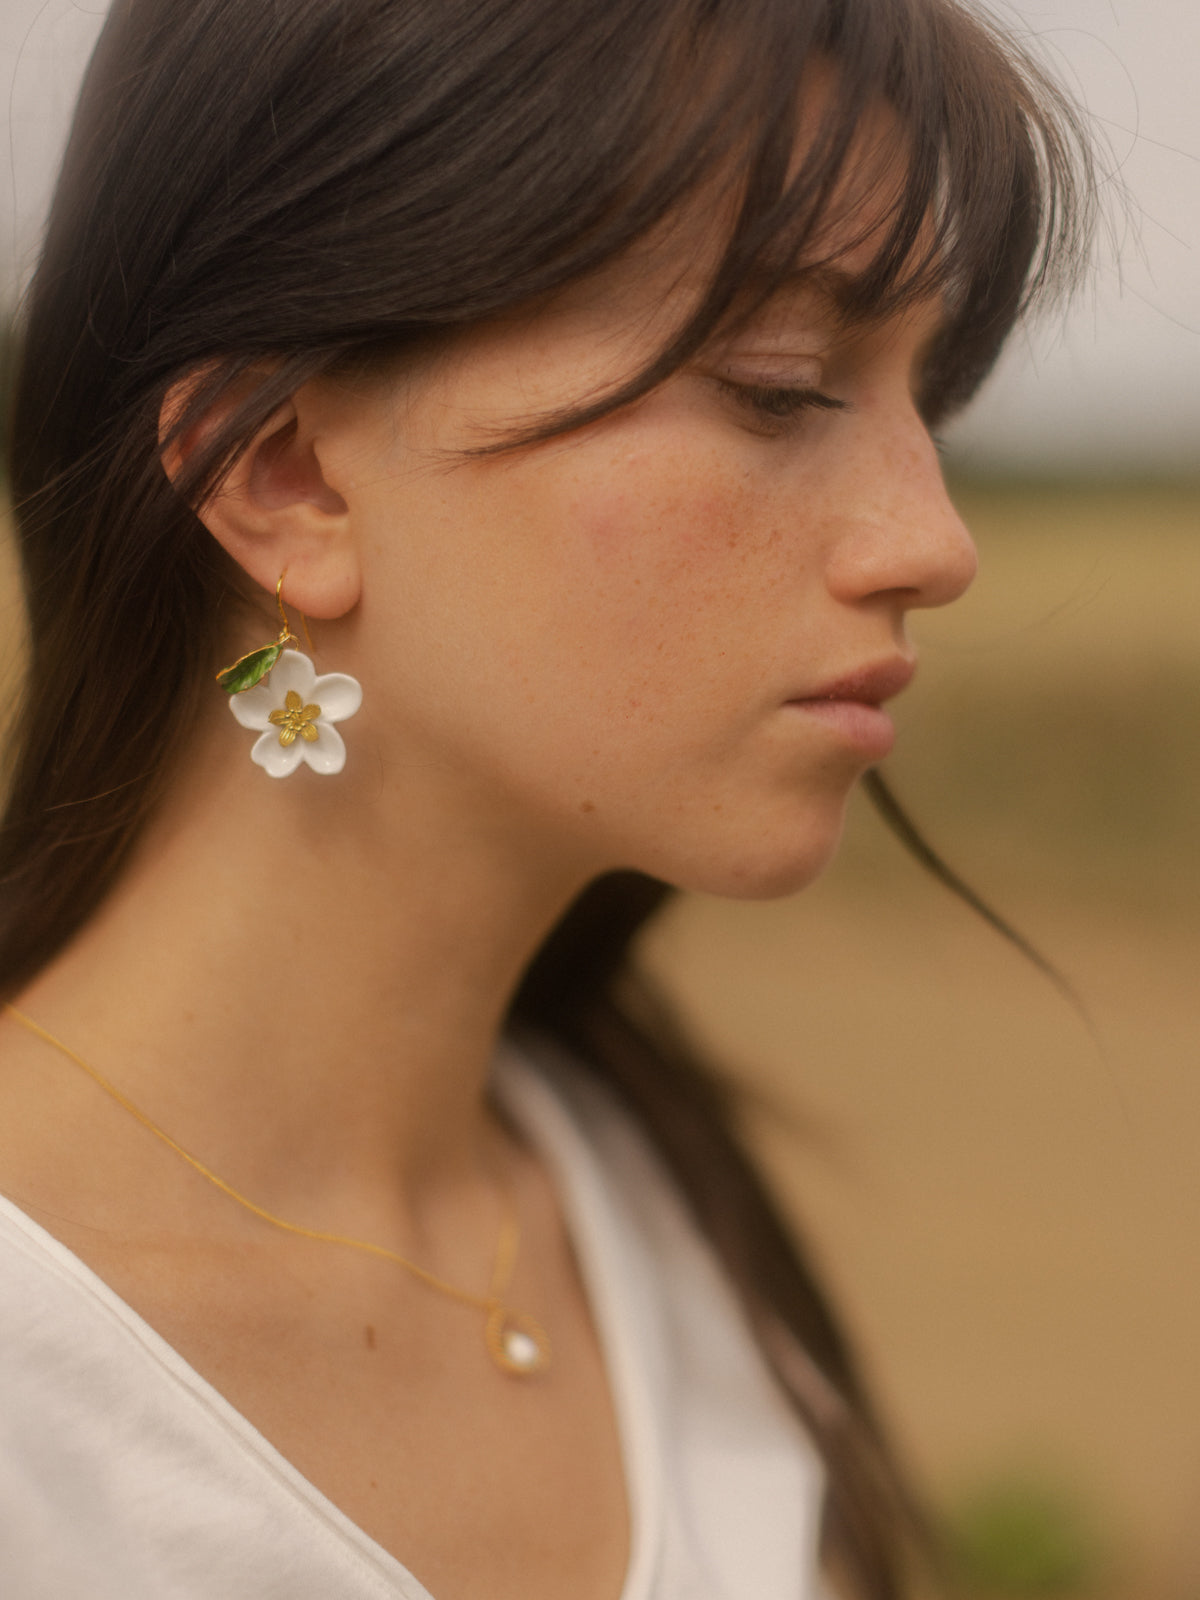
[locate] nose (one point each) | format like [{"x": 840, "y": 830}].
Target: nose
[{"x": 901, "y": 539}]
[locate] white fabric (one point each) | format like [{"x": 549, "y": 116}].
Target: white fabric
[{"x": 125, "y": 1476}]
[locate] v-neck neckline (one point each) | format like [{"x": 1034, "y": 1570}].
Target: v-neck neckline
[
  {"x": 619, "y": 1294},
  {"x": 609, "y": 1267}
]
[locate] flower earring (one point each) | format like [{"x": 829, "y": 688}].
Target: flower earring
[{"x": 293, "y": 710}]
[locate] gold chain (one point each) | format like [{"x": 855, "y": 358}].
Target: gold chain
[{"x": 515, "y": 1342}]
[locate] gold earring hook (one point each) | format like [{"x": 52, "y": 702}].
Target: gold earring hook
[
  {"x": 287, "y": 636},
  {"x": 249, "y": 669},
  {"x": 287, "y": 633}
]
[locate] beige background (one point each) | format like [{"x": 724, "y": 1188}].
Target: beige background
[{"x": 1009, "y": 1203}]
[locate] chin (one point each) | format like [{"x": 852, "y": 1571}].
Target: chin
[
  {"x": 778, "y": 860},
  {"x": 762, "y": 880}
]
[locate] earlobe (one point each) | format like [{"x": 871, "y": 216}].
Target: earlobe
[{"x": 275, "y": 510}]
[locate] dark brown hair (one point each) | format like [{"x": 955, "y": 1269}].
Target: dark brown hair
[{"x": 282, "y": 191}]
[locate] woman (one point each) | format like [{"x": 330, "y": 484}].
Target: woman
[{"x": 520, "y": 409}]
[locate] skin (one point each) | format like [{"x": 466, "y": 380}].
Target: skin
[{"x": 575, "y": 657}]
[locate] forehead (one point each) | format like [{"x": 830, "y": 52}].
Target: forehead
[
  {"x": 863, "y": 254},
  {"x": 834, "y": 249},
  {"x": 820, "y": 270}
]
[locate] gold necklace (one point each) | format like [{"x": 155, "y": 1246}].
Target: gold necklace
[{"x": 515, "y": 1342}]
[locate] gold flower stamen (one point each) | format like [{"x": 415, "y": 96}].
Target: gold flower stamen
[{"x": 295, "y": 719}]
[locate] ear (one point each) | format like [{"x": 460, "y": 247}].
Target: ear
[{"x": 275, "y": 511}]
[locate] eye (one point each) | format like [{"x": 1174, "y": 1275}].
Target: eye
[{"x": 772, "y": 405}]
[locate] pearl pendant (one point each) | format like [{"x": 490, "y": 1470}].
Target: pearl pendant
[
  {"x": 521, "y": 1350},
  {"x": 516, "y": 1343}
]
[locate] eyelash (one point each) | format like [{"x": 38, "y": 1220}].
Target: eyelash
[{"x": 776, "y": 404}]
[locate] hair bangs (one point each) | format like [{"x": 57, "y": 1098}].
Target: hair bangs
[{"x": 977, "y": 188}]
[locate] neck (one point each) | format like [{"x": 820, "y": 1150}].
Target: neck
[{"x": 306, "y": 987}]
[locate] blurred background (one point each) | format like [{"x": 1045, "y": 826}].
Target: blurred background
[{"x": 1002, "y": 1186}]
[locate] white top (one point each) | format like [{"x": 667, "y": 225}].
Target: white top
[{"x": 124, "y": 1475}]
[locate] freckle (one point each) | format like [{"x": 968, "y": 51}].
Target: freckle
[
  {"x": 369, "y": 1336},
  {"x": 587, "y": 805}
]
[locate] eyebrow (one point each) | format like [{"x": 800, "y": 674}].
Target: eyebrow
[
  {"x": 841, "y": 290},
  {"x": 838, "y": 285}
]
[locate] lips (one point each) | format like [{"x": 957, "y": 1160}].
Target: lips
[
  {"x": 849, "y": 708},
  {"x": 868, "y": 686}
]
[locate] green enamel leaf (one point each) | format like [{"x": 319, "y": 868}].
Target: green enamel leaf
[{"x": 247, "y": 671}]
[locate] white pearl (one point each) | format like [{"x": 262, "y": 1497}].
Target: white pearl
[{"x": 520, "y": 1349}]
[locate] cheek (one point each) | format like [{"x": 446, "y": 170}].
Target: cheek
[
  {"x": 658, "y": 513},
  {"x": 665, "y": 556},
  {"x": 599, "y": 629}
]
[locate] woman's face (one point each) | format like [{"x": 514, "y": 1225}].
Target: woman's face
[{"x": 661, "y": 641}]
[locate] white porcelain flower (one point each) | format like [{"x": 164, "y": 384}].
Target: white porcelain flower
[{"x": 294, "y": 711}]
